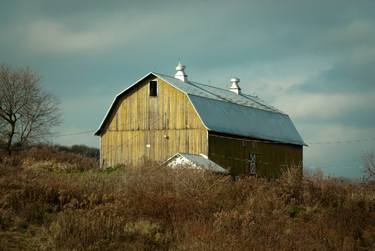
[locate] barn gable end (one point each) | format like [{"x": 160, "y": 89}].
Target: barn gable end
[
  {"x": 160, "y": 115},
  {"x": 138, "y": 126}
]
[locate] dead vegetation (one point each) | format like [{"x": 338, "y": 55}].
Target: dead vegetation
[{"x": 150, "y": 208}]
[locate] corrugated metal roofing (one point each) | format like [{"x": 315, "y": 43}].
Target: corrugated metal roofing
[
  {"x": 226, "y": 112},
  {"x": 217, "y": 93},
  {"x": 236, "y": 119},
  {"x": 198, "y": 161},
  {"x": 239, "y": 114}
]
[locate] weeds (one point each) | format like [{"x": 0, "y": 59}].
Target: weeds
[{"x": 154, "y": 208}]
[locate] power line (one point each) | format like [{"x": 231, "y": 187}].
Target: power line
[
  {"x": 94, "y": 130},
  {"x": 351, "y": 141},
  {"x": 73, "y": 133}
]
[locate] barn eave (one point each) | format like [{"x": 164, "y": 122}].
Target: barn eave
[
  {"x": 221, "y": 111},
  {"x": 98, "y": 132}
]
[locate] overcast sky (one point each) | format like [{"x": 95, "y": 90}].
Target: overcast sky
[{"x": 314, "y": 60}]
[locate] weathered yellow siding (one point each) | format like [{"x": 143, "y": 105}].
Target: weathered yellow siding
[
  {"x": 167, "y": 123},
  {"x": 233, "y": 153}
]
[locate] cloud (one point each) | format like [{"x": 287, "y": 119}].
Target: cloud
[
  {"x": 349, "y": 75},
  {"x": 332, "y": 155},
  {"x": 307, "y": 58},
  {"x": 357, "y": 33},
  {"x": 118, "y": 31},
  {"x": 57, "y": 37},
  {"x": 324, "y": 106}
]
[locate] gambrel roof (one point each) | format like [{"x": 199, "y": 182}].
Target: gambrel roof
[{"x": 226, "y": 112}]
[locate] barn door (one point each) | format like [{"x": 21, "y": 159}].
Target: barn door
[{"x": 252, "y": 164}]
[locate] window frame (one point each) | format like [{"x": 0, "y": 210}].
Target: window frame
[{"x": 156, "y": 88}]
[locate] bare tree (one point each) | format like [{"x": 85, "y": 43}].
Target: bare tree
[
  {"x": 2, "y": 132},
  {"x": 369, "y": 165},
  {"x": 27, "y": 113}
]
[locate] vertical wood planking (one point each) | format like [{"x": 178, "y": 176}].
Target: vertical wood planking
[
  {"x": 167, "y": 122},
  {"x": 231, "y": 152}
]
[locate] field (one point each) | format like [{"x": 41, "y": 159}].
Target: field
[{"x": 52, "y": 200}]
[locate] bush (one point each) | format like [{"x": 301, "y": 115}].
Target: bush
[{"x": 155, "y": 208}]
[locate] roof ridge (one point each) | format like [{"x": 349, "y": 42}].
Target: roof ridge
[
  {"x": 273, "y": 110},
  {"x": 279, "y": 128},
  {"x": 245, "y": 95},
  {"x": 263, "y": 103},
  {"x": 214, "y": 94},
  {"x": 193, "y": 83},
  {"x": 158, "y": 73},
  {"x": 216, "y": 87},
  {"x": 198, "y": 83}
]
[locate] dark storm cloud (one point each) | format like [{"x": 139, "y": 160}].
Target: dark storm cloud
[
  {"x": 209, "y": 31},
  {"x": 343, "y": 77},
  {"x": 362, "y": 118},
  {"x": 314, "y": 58}
]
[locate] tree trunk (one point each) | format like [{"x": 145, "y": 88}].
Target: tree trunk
[{"x": 10, "y": 137}]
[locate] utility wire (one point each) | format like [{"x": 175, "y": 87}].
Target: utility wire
[
  {"x": 351, "y": 141},
  {"x": 119, "y": 125},
  {"x": 73, "y": 133},
  {"x": 94, "y": 130}
]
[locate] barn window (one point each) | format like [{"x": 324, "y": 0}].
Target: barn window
[
  {"x": 153, "y": 88},
  {"x": 252, "y": 164}
]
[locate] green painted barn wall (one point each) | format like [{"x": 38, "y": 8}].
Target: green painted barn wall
[{"x": 233, "y": 154}]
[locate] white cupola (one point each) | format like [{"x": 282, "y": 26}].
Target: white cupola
[
  {"x": 235, "y": 87},
  {"x": 180, "y": 74}
]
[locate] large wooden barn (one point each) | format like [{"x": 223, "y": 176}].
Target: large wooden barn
[{"x": 160, "y": 115}]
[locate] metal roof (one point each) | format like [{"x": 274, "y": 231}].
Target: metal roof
[
  {"x": 226, "y": 117},
  {"x": 194, "y": 160},
  {"x": 216, "y": 93},
  {"x": 226, "y": 112}
]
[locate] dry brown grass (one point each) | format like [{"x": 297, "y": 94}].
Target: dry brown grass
[
  {"x": 153, "y": 208},
  {"x": 50, "y": 158}
]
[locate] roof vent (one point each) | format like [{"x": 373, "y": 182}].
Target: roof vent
[
  {"x": 235, "y": 87},
  {"x": 180, "y": 74}
]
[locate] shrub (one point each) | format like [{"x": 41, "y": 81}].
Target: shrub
[{"x": 156, "y": 208}]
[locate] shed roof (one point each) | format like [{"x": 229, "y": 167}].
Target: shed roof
[
  {"x": 226, "y": 112},
  {"x": 194, "y": 160}
]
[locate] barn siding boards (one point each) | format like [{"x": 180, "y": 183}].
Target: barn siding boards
[
  {"x": 173, "y": 122},
  {"x": 134, "y": 145},
  {"x": 167, "y": 122},
  {"x": 233, "y": 153}
]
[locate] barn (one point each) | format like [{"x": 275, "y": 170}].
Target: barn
[{"x": 161, "y": 115}]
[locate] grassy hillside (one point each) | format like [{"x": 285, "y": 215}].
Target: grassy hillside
[{"x": 51, "y": 200}]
